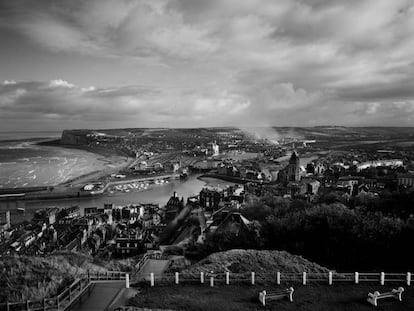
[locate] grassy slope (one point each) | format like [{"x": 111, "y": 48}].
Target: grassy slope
[
  {"x": 193, "y": 296},
  {"x": 312, "y": 297},
  {"x": 23, "y": 277},
  {"x": 238, "y": 260}
]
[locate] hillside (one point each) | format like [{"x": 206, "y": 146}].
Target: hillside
[
  {"x": 34, "y": 277},
  {"x": 238, "y": 260}
]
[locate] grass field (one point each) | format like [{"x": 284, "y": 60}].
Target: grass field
[{"x": 312, "y": 297}]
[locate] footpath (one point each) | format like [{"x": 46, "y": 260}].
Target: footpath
[{"x": 109, "y": 296}]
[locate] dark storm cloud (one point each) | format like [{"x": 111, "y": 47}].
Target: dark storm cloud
[
  {"x": 253, "y": 61},
  {"x": 378, "y": 92}
]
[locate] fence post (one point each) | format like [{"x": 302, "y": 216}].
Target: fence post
[
  {"x": 408, "y": 278},
  {"x": 227, "y": 278},
  {"x": 44, "y": 304},
  {"x": 330, "y": 277},
  {"x": 89, "y": 276},
  {"x": 202, "y": 277},
  {"x": 27, "y": 305},
  {"x": 356, "y": 277},
  {"x": 211, "y": 281},
  {"x": 278, "y": 277},
  {"x": 304, "y": 278},
  {"x": 152, "y": 279},
  {"x": 253, "y": 278},
  {"x": 382, "y": 278},
  {"x": 177, "y": 278},
  {"x": 57, "y": 302},
  {"x": 7, "y": 306},
  {"x": 127, "y": 280}
]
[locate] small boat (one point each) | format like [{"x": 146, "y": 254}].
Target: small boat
[{"x": 21, "y": 209}]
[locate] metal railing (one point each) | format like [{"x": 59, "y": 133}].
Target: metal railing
[
  {"x": 60, "y": 302},
  {"x": 147, "y": 256},
  {"x": 75, "y": 291},
  {"x": 68, "y": 296}
]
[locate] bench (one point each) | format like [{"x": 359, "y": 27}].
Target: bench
[
  {"x": 395, "y": 293},
  {"x": 276, "y": 295}
]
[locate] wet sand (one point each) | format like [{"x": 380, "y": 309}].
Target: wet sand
[{"x": 28, "y": 165}]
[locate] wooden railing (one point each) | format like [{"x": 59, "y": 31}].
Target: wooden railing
[{"x": 68, "y": 296}]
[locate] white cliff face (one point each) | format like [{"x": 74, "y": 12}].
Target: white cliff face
[{"x": 74, "y": 137}]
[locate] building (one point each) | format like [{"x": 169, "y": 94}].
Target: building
[
  {"x": 144, "y": 167},
  {"x": 385, "y": 163},
  {"x": 128, "y": 246},
  {"x": 90, "y": 210},
  {"x": 349, "y": 181},
  {"x": 309, "y": 186},
  {"x": 214, "y": 149},
  {"x": 230, "y": 222},
  {"x": 292, "y": 172},
  {"x": 173, "y": 207},
  {"x": 172, "y": 166},
  {"x": 4, "y": 221},
  {"x": 48, "y": 215},
  {"x": 71, "y": 212},
  {"x": 210, "y": 198},
  {"x": 406, "y": 180}
]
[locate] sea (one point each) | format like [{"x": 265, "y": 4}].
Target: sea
[{"x": 24, "y": 163}]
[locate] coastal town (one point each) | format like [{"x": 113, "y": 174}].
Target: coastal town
[
  {"x": 292, "y": 169},
  {"x": 193, "y": 155},
  {"x": 227, "y": 194}
]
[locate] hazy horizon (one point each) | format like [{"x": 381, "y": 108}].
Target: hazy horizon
[
  {"x": 203, "y": 127},
  {"x": 195, "y": 63}
]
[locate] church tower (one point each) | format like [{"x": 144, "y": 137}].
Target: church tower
[{"x": 294, "y": 167}]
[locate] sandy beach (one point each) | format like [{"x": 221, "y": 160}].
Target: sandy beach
[{"x": 28, "y": 164}]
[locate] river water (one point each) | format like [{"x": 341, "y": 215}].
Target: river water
[{"x": 158, "y": 194}]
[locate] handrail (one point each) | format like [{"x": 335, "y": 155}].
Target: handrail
[
  {"x": 65, "y": 298},
  {"x": 147, "y": 256}
]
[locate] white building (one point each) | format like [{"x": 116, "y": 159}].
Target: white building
[{"x": 214, "y": 149}]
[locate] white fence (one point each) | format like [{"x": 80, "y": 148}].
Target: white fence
[{"x": 305, "y": 278}]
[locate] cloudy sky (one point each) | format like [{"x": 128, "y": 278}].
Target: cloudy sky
[{"x": 191, "y": 63}]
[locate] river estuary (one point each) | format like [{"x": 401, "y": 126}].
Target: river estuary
[{"x": 158, "y": 194}]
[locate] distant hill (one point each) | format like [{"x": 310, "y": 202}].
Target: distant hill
[{"x": 238, "y": 260}]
